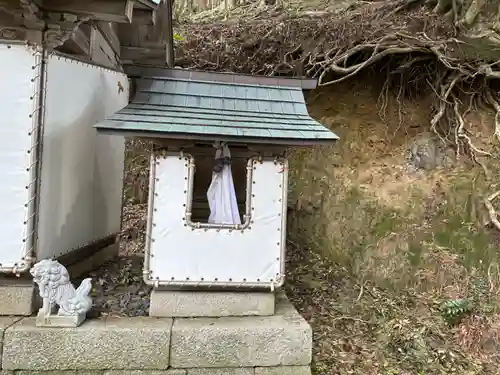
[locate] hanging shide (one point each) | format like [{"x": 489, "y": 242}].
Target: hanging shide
[{"x": 221, "y": 194}]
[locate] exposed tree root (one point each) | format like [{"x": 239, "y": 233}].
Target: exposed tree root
[
  {"x": 496, "y": 106},
  {"x": 462, "y": 136},
  {"x": 414, "y": 45},
  {"x": 491, "y": 209}
]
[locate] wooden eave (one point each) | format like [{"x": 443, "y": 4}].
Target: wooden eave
[
  {"x": 143, "y": 16},
  {"x": 120, "y": 11},
  {"x": 146, "y": 55},
  {"x": 13, "y": 13},
  {"x": 79, "y": 43}
]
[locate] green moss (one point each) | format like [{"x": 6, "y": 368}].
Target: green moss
[{"x": 385, "y": 245}]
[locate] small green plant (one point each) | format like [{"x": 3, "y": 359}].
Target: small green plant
[
  {"x": 178, "y": 37},
  {"x": 453, "y": 311}
]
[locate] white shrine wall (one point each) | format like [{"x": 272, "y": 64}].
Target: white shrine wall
[
  {"x": 20, "y": 77},
  {"x": 180, "y": 253},
  {"x": 82, "y": 172},
  {"x": 62, "y": 182}
]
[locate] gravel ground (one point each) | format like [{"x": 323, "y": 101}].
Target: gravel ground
[{"x": 119, "y": 290}]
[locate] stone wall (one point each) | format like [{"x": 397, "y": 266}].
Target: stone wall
[
  {"x": 273, "y": 345},
  {"x": 281, "y": 370}
]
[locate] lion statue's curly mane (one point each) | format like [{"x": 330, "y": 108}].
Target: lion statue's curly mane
[{"x": 55, "y": 288}]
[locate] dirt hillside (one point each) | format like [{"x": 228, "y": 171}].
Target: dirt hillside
[{"x": 390, "y": 258}]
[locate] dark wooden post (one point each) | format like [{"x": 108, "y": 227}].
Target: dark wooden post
[{"x": 170, "y": 58}]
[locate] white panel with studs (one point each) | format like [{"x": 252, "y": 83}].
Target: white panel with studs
[
  {"x": 20, "y": 71},
  {"x": 82, "y": 171},
  {"x": 178, "y": 254}
]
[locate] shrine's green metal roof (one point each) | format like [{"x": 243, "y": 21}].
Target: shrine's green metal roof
[{"x": 199, "y": 105}]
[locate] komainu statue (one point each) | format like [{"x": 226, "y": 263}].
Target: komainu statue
[{"x": 56, "y": 290}]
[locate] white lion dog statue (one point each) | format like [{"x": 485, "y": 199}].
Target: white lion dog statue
[{"x": 55, "y": 288}]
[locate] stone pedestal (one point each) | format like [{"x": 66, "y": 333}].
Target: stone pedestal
[
  {"x": 184, "y": 304},
  {"x": 68, "y": 321}
]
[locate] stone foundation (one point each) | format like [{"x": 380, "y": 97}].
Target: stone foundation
[
  {"x": 281, "y": 339},
  {"x": 274, "y": 345},
  {"x": 165, "y": 303},
  {"x": 281, "y": 370}
]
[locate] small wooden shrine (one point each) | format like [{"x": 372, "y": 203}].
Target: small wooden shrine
[{"x": 218, "y": 178}]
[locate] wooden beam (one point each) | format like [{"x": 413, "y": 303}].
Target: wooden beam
[
  {"x": 103, "y": 10},
  {"x": 8, "y": 7},
  {"x": 142, "y": 54},
  {"x": 144, "y": 17},
  {"x": 103, "y": 53},
  {"x": 25, "y": 13},
  {"x": 109, "y": 33},
  {"x": 92, "y": 42},
  {"x": 60, "y": 28},
  {"x": 78, "y": 44},
  {"x": 169, "y": 31},
  {"x": 13, "y": 27}
]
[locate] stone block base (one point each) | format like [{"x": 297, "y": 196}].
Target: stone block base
[
  {"x": 280, "y": 370},
  {"x": 167, "y": 303},
  {"x": 282, "y": 339},
  {"x": 17, "y": 296},
  {"x": 273, "y": 345},
  {"x": 277, "y": 370},
  {"x": 113, "y": 343}
]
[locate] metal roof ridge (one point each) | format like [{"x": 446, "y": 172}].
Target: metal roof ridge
[
  {"x": 229, "y": 77},
  {"x": 206, "y": 96},
  {"x": 232, "y": 112},
  {"x": 222, "y": 83}
]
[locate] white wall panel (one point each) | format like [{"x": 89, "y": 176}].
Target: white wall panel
[
  {"x": 182, "y": 255},
  {"x": 81, "y": 174},
  {"x": 19, "y": 81}
]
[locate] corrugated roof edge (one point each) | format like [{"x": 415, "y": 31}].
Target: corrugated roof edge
[
  {"x": 223, "y": 138},
  {"x": 148, "y": 71}
]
